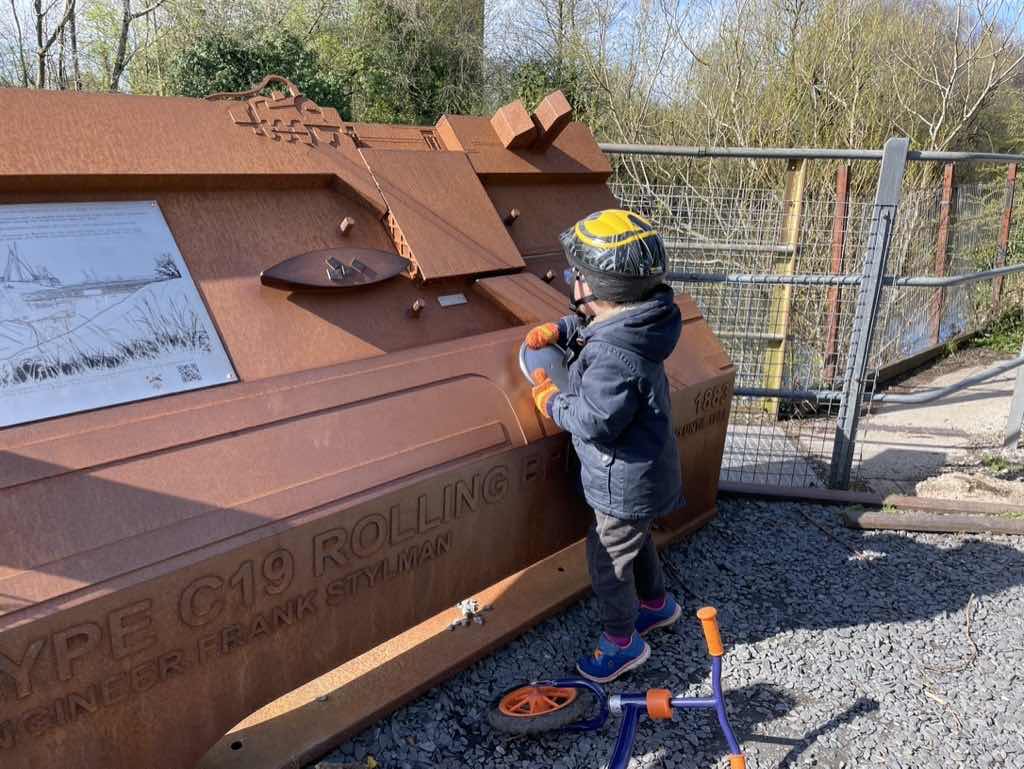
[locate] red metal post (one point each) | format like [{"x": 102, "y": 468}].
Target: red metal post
[
  {"x": 1004, "y": 237},
  {"x": 834, "y": 292},
  {"x": 942, "y": 248}
]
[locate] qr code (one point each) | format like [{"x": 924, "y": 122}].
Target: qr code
[{"x": 189, "y": 373}]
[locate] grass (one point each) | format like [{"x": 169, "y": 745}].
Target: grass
[
  {"x": 1005, "y": 334},
  {"x": 1002, "y": 468},
  {"x": 153, "y": 330}
]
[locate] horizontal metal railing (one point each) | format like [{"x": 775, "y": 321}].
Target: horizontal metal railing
[
  {"x": 926, "y": 396},
  {"x": 773, "y": 279},
  {"x": 805, "y": 153}
]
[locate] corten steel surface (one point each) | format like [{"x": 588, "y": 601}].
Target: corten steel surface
[{"x": 169, "y": 566}]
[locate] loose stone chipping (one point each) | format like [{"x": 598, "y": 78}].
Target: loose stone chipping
[{"x": 843, "y": 649}]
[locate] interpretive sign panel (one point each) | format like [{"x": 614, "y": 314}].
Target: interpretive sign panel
[{"x": 97, "y": 308}]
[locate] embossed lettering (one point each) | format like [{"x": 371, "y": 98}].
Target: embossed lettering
[
  {"x": 36, "y": 721},
  {"x": 171, "y": 663},
  {"x": 467, "y": 497},
  {"x": 495, "y": 484},
  {"x": 259, "y": 628},
  {"x": 329, "y": 546},
  {"x": 144, "y": 676},
  {"x": 284, "y": 615},
  {"x": 206, "y": 646},
  {"x": 75, "y": 642},
  {"x": 196, "y": 610},
  {"x": 423, "y": 519},
  {"x": 127, "y": 629},
  {"x": 79, "y": 703},
  {"x": 114, "y": 689},
  {"x": 230, "y": 637},
  {"x": 398, "y": 535},
  {"x": 244, "y": 579},
  {"x": 364, "y": 546},
  {"x": 531, "y": 468},
  {"x": 20, "y": 671},
  {"x": 278, "y": 571},
  {"x": 306, "y": 604}
]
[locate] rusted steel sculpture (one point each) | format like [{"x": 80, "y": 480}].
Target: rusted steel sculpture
[{"x": 169, "y": 565}]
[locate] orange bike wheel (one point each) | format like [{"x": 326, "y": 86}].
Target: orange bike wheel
[{"x": 535, "y": 701}]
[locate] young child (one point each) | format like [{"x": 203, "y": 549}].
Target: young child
[{"x": 617, "y": 409}]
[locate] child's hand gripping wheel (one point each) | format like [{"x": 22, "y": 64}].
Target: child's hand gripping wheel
[{"x": 543, "y": 391}]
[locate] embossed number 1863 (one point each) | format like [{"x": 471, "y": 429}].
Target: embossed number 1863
[{"x": 711, "y": 398}]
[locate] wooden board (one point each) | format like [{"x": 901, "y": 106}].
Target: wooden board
[{"x": 933, "y": 522}]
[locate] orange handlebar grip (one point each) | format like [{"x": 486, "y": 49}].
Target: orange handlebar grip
[
  {"x": 659, "y": 704},
  {"x": 708, "y": 617},
  {"x": 738, "y": 762}
]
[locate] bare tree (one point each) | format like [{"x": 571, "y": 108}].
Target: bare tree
[
  {"x": 22, "y": 59},
  {"x": 44, "y": 43},
  {"x": 122, "y": 56},
  {"x": 967, "y": 61}
]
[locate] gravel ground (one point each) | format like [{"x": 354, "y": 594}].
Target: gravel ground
[{"x": 843, "y": 649}]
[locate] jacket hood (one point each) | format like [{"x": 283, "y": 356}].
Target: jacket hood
[{"x": 650, "y": 329}]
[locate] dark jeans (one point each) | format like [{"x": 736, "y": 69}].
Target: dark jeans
[{"x": 624, "y": 569}]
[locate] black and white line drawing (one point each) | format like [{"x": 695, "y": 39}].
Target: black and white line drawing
[{"x": 97, "y": 305}]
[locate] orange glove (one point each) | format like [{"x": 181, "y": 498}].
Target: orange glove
[
  {"x": 543, "y": 391},
  {"x": 542, "y": 336}
]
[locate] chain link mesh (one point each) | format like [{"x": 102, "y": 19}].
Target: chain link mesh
[{"x": 799, "y": 337}]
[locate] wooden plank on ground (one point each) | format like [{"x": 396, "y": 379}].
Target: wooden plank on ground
[{"x": 933, "y": 522}]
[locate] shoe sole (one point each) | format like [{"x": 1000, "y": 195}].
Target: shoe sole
[
  {"x": 670, "y": 620},
  {"x": 624, "y": 669}
]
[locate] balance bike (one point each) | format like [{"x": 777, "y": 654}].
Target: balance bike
[{"x": 545, "y": 706}]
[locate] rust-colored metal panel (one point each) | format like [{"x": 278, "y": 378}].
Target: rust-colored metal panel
[
  {"x": 514, "y": 126},
  {"x": 169, "y": 566},
  {"x": 89, "y": 134},
  {"x": 546, "y": 209},
  {"x": 574, "y": 153},
  {"x": 525, "y": 297},
  {"x": 447, "y": 220},
  {"x": 552, "y": 115}
]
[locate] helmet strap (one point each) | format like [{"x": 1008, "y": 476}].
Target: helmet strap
[{"x": 577, "y": 305}]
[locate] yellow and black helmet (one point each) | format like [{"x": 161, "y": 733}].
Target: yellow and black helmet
[{"x": 619, "y": 253}]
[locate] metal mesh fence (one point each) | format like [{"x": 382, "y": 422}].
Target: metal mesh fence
[{"x": 798, "y": 337}]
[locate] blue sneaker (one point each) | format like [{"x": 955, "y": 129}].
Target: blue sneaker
[
  {"x": 651, "y": 619},
  {"x": 609, "y": 660}
]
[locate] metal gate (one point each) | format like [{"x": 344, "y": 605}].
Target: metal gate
[{"x": 819, "y": 295}]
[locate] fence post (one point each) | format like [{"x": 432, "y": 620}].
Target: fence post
[
  {"x": 1016, "y": 418},
  {"x": 1004, "y": 237},
  {"x": 883, "y": 219},
  {"x": 942, "y": 249},
  {"x": 782, "y": 296},
  {"x": 834, "y": 293}
]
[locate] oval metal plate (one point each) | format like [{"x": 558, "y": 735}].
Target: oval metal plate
[{"x": 332, "y": 269}]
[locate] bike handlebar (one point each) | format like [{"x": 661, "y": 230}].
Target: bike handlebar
[{"x": 708, "y": 617}]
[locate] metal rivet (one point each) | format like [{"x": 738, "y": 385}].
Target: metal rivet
[
  {"x": 511, "y": 216},
  {"x": 346, "y": 225}
]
